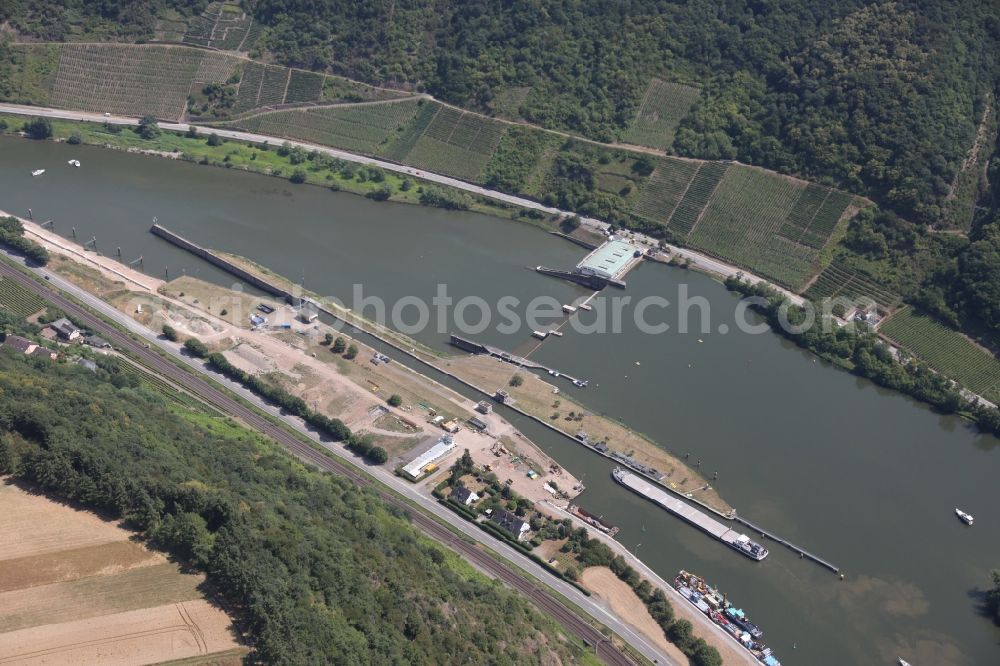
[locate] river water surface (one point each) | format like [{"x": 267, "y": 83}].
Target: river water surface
[{"x": 865, "y": 478}]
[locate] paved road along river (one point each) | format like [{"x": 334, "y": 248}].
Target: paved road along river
[{"x": 862, "y": 477}]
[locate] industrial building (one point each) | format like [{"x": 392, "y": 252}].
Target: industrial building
[
  {"x": 421, "y": 464},
  {"x": 608, "y": 261}
]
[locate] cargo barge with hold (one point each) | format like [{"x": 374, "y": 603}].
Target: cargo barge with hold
[{"x": 739, "y": 542}]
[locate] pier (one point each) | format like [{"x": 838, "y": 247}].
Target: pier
[
  {"x": 478, "y": 348},
  {"x": 788, "y": 544},
  {"x": 576, "y": 241},
  {"x": 686, "y": 512}
]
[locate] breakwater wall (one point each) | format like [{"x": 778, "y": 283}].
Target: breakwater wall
[
  {"x": 221, "y": 262},
  {"x": 577, "y": 241}
]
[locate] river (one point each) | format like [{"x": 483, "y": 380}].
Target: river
[{"x": 863, "y": 477}]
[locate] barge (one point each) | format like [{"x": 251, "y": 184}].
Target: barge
[{"x": 739, "y": 542}]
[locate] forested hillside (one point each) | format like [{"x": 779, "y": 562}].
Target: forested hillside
[
  {"x": 882, "y": 98},
  {"x": 318, "y": 570}
]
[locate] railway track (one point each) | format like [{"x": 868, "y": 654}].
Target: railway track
[{"x": 192, "y": 383}]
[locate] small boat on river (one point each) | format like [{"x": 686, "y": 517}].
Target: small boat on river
[
  {"x": 38, "y": 172},
  {"x": 75, "y": 163},
  {"x": 964, "y": 517}
]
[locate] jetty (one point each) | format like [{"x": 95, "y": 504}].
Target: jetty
[
  {"x": 688, "y": 513},
  {"x": 478, "y": 348},
  {"x": 788, "y": 544}
]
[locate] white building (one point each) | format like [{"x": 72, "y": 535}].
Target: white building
[{"x": 415, "y": 469}]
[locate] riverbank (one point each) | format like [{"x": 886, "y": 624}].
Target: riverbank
[{"x": 300, "y": 166}]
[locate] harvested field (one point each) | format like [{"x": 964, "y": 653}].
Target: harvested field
[
  {"x": 626, "y": 604},
  {"x": 77, "y": 589}
]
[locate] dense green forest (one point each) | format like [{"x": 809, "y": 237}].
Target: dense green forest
[
  {"x": 882, "y": 98},
  {"x": 58, "y": 20},
  {"x": 318, "y": 570}
]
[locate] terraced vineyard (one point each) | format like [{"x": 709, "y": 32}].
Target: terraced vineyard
[
  {"x": 249, "y": 92},
  {"x": 17, "y": 300},
  {"x": 741, "y": 223},
  {"x": 815, "y": 216},
  {"x": 272, "y": 88},
  {"x": 696, "y": 197},
  {"x": 368, "y": 128},
  {"x": 216, "y": 68},
  {"x": 304, "y": 87},
  {"x": 222, "y": 26},
  {"x": 126, "y": 79},
  {"x": 404, "y": 143},
  {"x": 663, "y": 191},
  {"x": 947, "y": 351},
  {"x": 457, "y": 143},
  {"x": 838, "y": 282},
  {"x": 663, "y": 107}
]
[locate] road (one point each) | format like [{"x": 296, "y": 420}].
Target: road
[
  {"x": 522, "y": 578},
  {"x": 698, "y": 260}
]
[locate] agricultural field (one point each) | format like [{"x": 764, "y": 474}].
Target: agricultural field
[
  {"x": 815, "y": 216},
  {"x": 457, "y": 143},
  {"x": 368, "y": 128},
  {"x": 408, "y": 137},
  {"x": 29, "y": 73},
  {"x": 839, "y": 282},
  {"x": 517, "y": 157},
  {"x": 272, "y": 88},
  {"x": 249, "y": 91},
  {"x": 947, "y": 351},
  {"x": 17, "y": 300},
  {"x": 218, "y": 68},
  {"x": 125, "y": 79},
  {"x": 699, "y": 191},
  {"x": 742, "y": 220},
  {"x": 222, "y": 26},
  {"x": 304, "y": 86},
  {"x": 666, "y": 186},
  {"x": 77, "y": 589},
  {"x": 663, "y": 107},
  {"x": 337, "y": 89}
]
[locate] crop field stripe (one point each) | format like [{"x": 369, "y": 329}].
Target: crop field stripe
[
  {"x": 664, "y": 104},
  {"x": 126, "y": 79},
  {"x": 699, "y": 191},
  {"x": 19, "y": 301},
  {"x": 662, "y": 193},
  {"x": 947, "y": 351},
  {"x": 742, "y": 220}
]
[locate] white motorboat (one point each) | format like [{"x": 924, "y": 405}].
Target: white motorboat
[
  {"x": 903, "y": 662},
  {"x": 38, "y": 172},
  {"x": 964, "y": 517},
  {"x": 75, "y": 163}
]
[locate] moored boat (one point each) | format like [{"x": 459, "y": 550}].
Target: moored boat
[
  {"x": 725, "y": 615},
  {"x": 964, "y": 517},
  {"x": 38, "y": 172},
  {"x": 75, "y": 163}
]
